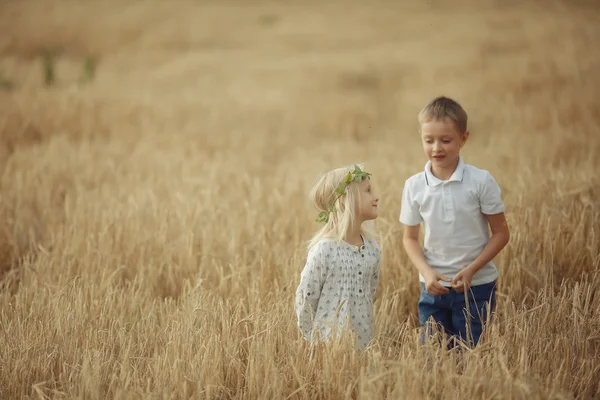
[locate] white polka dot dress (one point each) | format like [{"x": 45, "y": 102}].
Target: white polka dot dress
[{"x": 338, "y": 285}]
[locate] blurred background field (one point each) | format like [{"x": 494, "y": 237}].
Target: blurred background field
[{"x": 154, "y": 181}]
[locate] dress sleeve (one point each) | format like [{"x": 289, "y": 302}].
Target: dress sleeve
[
  {"x": 375, "y": 273},
  {"x": 308, "y": 292}
]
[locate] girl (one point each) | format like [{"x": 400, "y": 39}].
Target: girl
[{"x": 339, "y": 281}]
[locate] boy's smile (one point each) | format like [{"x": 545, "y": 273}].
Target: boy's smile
[{"x": 442, "y": 142}]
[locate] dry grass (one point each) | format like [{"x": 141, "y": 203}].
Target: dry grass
[{"x": 154, "y": 220}]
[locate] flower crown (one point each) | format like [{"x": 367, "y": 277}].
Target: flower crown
[{"x": 358, "y": 175}]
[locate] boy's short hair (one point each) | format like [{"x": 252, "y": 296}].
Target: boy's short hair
[{"x": 443, "y": 107}]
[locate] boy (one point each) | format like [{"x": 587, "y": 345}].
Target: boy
[{"x": 455, "y": 202}]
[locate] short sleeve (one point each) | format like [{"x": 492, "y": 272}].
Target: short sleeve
[
  {"x": 490, "y": 196},
  {"x": 308, "y": 292},
  {"x": 409, "y": 211}
]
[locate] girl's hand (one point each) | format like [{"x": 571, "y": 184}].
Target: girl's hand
[
  {"x": 433, "y": 286},
  {"x": 462, "y": 280}
]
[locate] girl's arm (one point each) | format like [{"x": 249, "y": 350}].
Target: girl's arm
[
  {"x": 375, "y": 275},
  {"x": 309, "y": 291}
]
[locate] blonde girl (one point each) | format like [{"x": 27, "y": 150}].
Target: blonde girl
[{"x": 339, "y": 280}]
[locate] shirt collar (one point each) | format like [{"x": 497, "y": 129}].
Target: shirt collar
[{"x": 457, "y": 176}]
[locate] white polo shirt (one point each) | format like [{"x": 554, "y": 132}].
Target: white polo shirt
[{"x": 452, "y": 212}]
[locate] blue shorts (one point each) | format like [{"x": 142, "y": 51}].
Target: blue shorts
[{"x": 450, "y": 311}]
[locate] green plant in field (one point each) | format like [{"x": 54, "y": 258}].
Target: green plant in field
[
  {"x": 5, "y": 84},
  {"x": 268, "y": 19},
  {"x": 89, "y": 69},
  {"x": 48, "y": 65},
  {"x": 358, "y": 175}
]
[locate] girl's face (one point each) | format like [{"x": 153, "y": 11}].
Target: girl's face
[{"x": 368, "y": 200}]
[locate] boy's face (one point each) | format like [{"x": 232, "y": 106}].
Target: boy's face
[
  {"x": 442, "y": 142},
  {"x": 368, "y": 201}
]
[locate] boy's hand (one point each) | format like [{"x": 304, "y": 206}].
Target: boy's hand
[
  {"x": 433, "y": 286},
  {"x": 462, "y": 280}
]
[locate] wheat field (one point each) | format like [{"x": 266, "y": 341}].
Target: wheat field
[{"x": 155, "y": 216}]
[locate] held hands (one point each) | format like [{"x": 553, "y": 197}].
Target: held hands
[
  {"x": 462, "y": 280},
  {"x": 433, "y": 286}
]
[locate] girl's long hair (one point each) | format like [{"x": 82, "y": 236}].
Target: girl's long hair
[{"x": 323, "y": 195}]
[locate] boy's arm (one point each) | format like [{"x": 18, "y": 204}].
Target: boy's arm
[
  {"x": 492, "y": 206},
  {"x": 413, "y": 248},
  {"x": 498, "y": 240}
]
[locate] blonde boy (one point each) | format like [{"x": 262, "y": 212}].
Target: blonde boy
[{"x": 455, "y": 202}]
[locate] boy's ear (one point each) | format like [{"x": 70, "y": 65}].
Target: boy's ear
[{"x": 465, "y": 136}]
